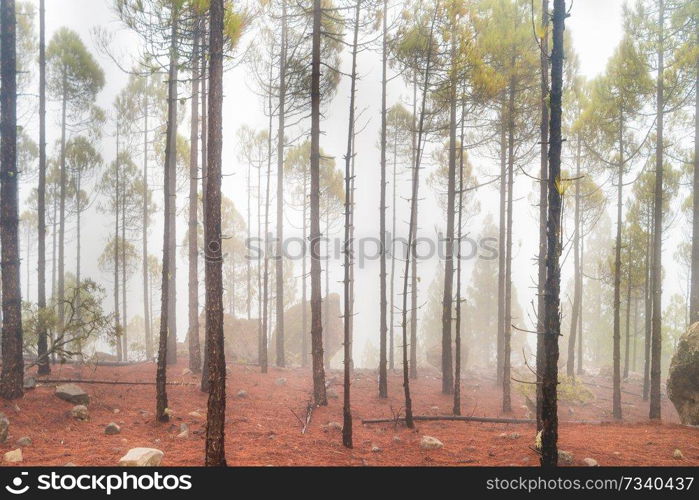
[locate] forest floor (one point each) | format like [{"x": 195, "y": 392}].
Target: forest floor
[{"x": 261, "y": 428}]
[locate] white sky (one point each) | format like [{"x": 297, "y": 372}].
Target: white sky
[{"x": 596, "y": 29}]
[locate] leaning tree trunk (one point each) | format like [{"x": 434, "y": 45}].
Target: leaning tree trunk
[
  {"x": 319, "y": 393},
  {"x": 543, "y": 205},
  {"x": 657, "y": 269},
  {"x": 42, "y": 345},
  {"x": 279, "y": 261},
  {"x": 161, "y": 375},
  {"x": 193, "y": 254},
  {"x": 11, "y": 379},
  {"x": 216, "y": 407},
  {"x": 383, "y": 325},
  {"x": 549, "y": 407}
]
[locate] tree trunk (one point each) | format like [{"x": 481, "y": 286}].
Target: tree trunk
[
  {"x": 694, "y": 294},
  {"x": 656, "y": 269},
  {"x": 203, "y": 48},
  {"x": 549, "y": 407},
  {"x": 507, "y": 332},
  {"x": 456, "y": 410},
  {"x": 193, "y": 253},
  {"x": 647, "y": 312},
  {"x": 502, "y": 251},
  {"x": 279, "y": 259},
  {"x": 319, "y": 394},
  {"x": 627, "y": 326},
  {"x": 543, "y": 206},
  {"x": 262, "y": 352},
  {"x": 304, "y": 278},
  {"x": 11, "y": 379},
  {"x": 170, "y": 144},
  {"x": 62, "y": 214},
  {"x": 146, "y": 216},
  {"x": 117, "y": 198},
  {"x": 413, "y": 263},
  {"x": 216, "y": 407},
  {"x": 577, "y": 286},
  {"x": 123, "y": 272},
  {"x": 383, "y": 324},
  {"x": 580, "y": 305},
  {"x": 448, "y": 295},
  {"x": 42, "y": 345},
  {"x": 616, "y": 337}
]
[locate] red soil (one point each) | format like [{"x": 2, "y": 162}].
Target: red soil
[{"x": 262, "y": 430}]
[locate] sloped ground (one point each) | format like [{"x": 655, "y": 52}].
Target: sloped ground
[{"x": 262, "y": 430}]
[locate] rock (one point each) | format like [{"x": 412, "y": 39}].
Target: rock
[
  {"x": 112, "y": 429},
  {"x": 430, "y": 443},
  {"x": 29, "y": 383},
  {"x": 397, "y": 439},
  {"x": 24, "y": 441},
  {"x": 280, "y": 381},
  {"x": 590, "y": 462},
  {"x": 13, "y": 456},
  {"x": 375, "y": 449},
  {"x": 116, "y": 410},
  {"x": 73, "y": 394},
  {"x": 69, "y": 464},
  {"x": 184, "y": 431},
  {"x": 683, "y": 377},
  {"x": 4, "y": 427},
  {"x": 186, "y": 372},
  {"x": 195, "y": 414},
  {"x": 331, "y": 394},
  {"x": 565, "y": 457},
  {"x": 79, "y": 412},
  {"x": 333, "y": 426},
  {"x": 677, "y": 454},
  {"x": 142, "y": 457},
  {"x": 241, "y": 394}
]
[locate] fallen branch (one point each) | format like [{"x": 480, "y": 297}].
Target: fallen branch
[
  {"x": 309, "y": 413},
  {"x": 107, "y": 382}
]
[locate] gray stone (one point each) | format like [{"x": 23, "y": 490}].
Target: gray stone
[
  {"x": 375, "y": 449},
  {"x": 24, "y": 441},
  {"x": 683, "y": 377},
  {"x": 590, "y": 462},
  {"x": 73, "y": 394},
  {"x": 4, "y": 427},
  {"x": 241, "y": 394},
  {"x": 112, "y": 429},
  {"x": 79, "y": 412},
  {"x": 430, "y": 443},
  {"x": 29, "y": 383},
  {"x": 142, "y": 457},
  {"x": 565, "y": 457}
]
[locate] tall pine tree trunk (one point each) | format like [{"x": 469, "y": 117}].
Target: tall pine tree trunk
[
  {"x": 319, "y": 393},
  {"x": 694, "y": 294},
  {"x": 42, "y": 345},
  {"x": 193, "y": 254},
  {"x": 117, "y": 198},
  {"x": 507, "y": 331},
  {"x": 11, "y": 386},
  {"x": 577, "y": 285},
  {"x": 543, "y": 205},
  {"x": 657, "y": 269},
  {"x": 279, "y": 260},
  {"x": 549, "y": 407},
  {"x": 170, "y": 144},
  {"x": 216, "y": 407},
  {"x": 383, "y": 324},
  {"x": 145, "y": 217},
  {"x": 616, "y": 335},
  {"x": 413, "y": 263}
]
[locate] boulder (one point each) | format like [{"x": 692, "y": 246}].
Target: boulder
[
  {"x": 565, "y": 457},
  {"x": 590, "y": 462},
  {"x": 430, "y": 443},
  {"x": 13, "y": 456},
  {"x": 29, "y": 383},
  {"x": 683, "y": 377},
  {"x": 79, "y": 412},
  {"x": 24, "y": 441},
  {"x": 677, "y": 454},
  {"x": 73, "y": 394},
  {"x": 142, "y": 457},
  {"x": 112, "y": 429},
  {"x": 4, "y": 427}
]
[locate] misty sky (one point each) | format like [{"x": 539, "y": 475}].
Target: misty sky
[{"x": 596, "y": 29}]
